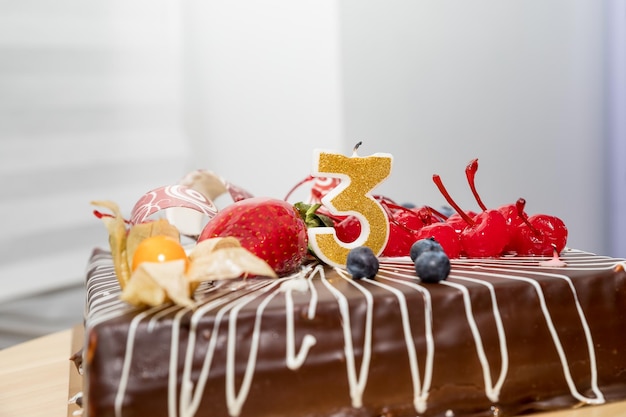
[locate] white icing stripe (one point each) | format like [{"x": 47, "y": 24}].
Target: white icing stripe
[
  {"x": 234, "y": 400},
  {"x": 555, "y": 337},
  {"x": 313, "y": 292},
  {"x": 357, "y": 384},
  {"x": 190, "y": 401},
  {"x": 293, "y": 360},
  {"x": 154, "y": 320},
  {"x": 173, "y": 366},
  {"x": 420, "y": 393},
  {"x": 128, "y": 356},
  {"x": 492, "y": 391}
]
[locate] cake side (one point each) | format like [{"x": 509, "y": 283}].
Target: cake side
[{"x": 503, "y": 335}]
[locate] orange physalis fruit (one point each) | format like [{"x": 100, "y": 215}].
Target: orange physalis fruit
[{"x": 158, "y": 249}]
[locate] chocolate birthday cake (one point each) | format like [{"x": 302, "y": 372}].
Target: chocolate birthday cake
[{"x": 496, "y": 335}]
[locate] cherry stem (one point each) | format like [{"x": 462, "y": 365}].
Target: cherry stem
[
  {"x": 520, "y": 204},
  {"x": 455, "y": 206},
  {"x": 437, "y": 213},
  {"x": 298, "y": 185},
  {"x": 387, "y": 206},
  {"x": 470, "y": 173}
]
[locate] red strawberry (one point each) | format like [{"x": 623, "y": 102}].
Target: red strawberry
[{"x": 270, "y": 228}]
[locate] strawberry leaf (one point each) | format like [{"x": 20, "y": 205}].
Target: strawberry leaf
[{"x": 308, "y": 213}]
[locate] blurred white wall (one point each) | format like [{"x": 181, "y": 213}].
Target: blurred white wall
[
  {"x": 517, "y": 84},
  {"x": 521, "y": 85},
  {"x": 262, "y": 88},
  {"x": 90, "y": 108},
  {"x": 615, "y": 91}
]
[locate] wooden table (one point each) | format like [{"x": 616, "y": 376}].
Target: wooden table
[{"x": 35, "y": 381}]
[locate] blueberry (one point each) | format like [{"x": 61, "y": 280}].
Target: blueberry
[
  {"x": 424, "y": 245},
  {"x": 362, "y": 263},
  {"x": 432, "y": 266}
]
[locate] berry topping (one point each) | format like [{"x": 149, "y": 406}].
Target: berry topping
[
  {"x": 485, "y": 234},
  {"x": 362, "y": 263},
  {"x": 403, "y": 224},
  {"x": 158, "y": 249},
  {"x": 423, "y": 245},
  {"x": 348, "y": 229},
  {"x": 432, "y": 266},
  {"x": 445, "y": 235},
  {"x": 539, "y": 234},
  {"x": 271, "y": 229}
]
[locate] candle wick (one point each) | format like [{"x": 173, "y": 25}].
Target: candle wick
[{"x": 356, "y": 147}]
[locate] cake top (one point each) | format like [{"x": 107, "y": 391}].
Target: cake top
[{"x": 343, "y": 224}]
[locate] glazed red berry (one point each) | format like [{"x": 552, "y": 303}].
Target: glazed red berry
[
  {"x": 445, "y": 235},
  {"x": 485, "y": 235},
  {"x": 539, "y": 234}
]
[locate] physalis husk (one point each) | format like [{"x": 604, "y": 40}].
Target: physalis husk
[
  {"x": 117, "y": 239},
  {"x": 157, "y": 283}
]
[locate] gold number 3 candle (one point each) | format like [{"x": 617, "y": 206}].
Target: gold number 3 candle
[{"x": 359, "y": 176}]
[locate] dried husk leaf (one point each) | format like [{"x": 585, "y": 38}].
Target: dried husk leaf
[
  {"x": 228, "y": 263},
  {"x": 153, "y": 284},
  {"x": 208, "y": 246},
  {"x": 139, "y": 232},
  {"x": 117, "y": 240},
  {"x": 205, "y": 182}
]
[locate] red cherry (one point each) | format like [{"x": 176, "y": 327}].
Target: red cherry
[
  {"x": 485, "y": 235},
  {"x": 510, "y": 213},
  {"x": 458, "y": 222},
  {"x": 539, "y": 234},
  {"x": 429, "y": 215},
  {"x": 445, "y": 234},
  {"x": 400, "y": 240},
  {"x": 405, "y": 216},
  {"x": 401, "y": 232},
  {"x": 348, "y": 229},
  {"x": 513, "y": 219}
]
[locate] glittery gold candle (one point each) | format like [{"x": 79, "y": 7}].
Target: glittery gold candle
[{"x": 359, "y": 176}]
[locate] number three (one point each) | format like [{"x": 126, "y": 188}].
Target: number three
[{"x": 359, "y": 176}]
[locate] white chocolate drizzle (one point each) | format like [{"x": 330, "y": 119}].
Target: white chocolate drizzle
[
  {"x": 491, "y": 390},
  {"x": 293, "y": 360},
  {"x": 420, "y": 391},
  {"x": 224, "y": 301},
  {"x": 357, "y": 383}
]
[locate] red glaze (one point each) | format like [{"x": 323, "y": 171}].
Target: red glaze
[
  {"x": 485, "y": 234},
  {"x": 406, "y": 217},
  {"x": 470, "y": 173},
  {"x": 403, "y": 223},
  {"x": 459, "y": 223},
  {"x": 348, "y": 229},
  {"x": 513, "y": 219},
  {"x": 487, "y": 237},
  {"x": 445, "y": 234},
  {"x": 400, "y": 240},
  {"x": 541, "y": 235},
  {"x": 429, "y": 215}
]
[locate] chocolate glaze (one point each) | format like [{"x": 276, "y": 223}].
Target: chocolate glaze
[{"x": 498, "y": 337}]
